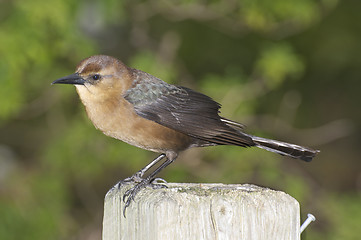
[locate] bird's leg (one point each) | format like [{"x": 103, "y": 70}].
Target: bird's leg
[
  {"x": 141, "y": 172},
  {"x": 130, "y": 194},
  {"x": 138, "y": 176}
]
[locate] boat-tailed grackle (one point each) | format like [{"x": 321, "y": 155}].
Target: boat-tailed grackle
[{"x": 144, "y": 111}]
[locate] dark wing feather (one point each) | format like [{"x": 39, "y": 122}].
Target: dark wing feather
[{"x": 186, "y": 111}]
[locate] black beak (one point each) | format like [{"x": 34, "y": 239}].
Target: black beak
[{"x": 75, "y": 79}]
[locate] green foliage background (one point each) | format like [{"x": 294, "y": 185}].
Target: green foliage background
[{"x": 288, "y": 70}]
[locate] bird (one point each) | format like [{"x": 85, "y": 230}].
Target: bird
[{"x": 142, "y": 110}]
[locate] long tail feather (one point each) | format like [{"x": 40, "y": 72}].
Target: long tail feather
[{"x": 287, "y": 149}]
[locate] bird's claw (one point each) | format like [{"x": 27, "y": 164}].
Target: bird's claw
[
  {"x": 129, "y": 195},
  {"x": 158, "y": 183},
  {"x": 136, "y": 178}
]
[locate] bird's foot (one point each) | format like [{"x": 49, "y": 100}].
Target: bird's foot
[
  {"x": 135, "y": 178},
  {"x": 159, "y": 183},
  {"x": 129, "y": 195}
]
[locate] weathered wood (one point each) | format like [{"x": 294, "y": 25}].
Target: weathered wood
[{"x": 202, "y": 211}]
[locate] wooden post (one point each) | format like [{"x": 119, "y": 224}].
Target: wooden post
[{"x": 202, "y": 211}]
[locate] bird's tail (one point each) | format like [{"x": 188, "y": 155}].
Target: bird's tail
[{"x": 287, "y": 149}]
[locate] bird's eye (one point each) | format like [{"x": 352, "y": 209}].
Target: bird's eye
[{"x": 96, "y": 77}]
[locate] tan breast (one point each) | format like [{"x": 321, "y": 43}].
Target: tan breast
[{"x": 116, "y": 118}]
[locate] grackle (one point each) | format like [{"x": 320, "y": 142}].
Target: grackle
[{"x": 144, "y": 111}]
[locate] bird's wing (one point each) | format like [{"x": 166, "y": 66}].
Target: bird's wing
[{"x": 186, "y": 111}]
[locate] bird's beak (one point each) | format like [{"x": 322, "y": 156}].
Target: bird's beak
[{"x": 75, "y": 79}]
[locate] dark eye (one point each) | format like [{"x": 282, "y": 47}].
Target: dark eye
[{"x": 96, "y": 77}]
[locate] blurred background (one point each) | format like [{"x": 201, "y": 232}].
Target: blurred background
[{"x": 288, "y": 70}]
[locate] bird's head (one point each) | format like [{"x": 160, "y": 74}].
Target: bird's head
[{"x": 99, "y": 76}]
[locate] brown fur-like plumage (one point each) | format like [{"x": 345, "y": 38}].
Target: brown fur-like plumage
[{"x": 142, "y": 110}]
